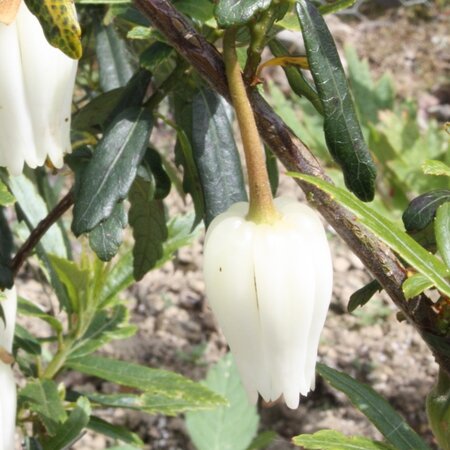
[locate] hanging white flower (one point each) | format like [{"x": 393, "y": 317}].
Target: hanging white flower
[
  {"x": 269, "y": 286},
  {"x": 8, "y": 395},
  {"x": 36, "y": 87}
]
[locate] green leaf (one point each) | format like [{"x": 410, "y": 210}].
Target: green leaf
[
  {"x": 6, "y": 249},
  {"x": 154, "y": 172},
  {"x": 70, "y": 430},
  {"x": 231, "y": 13},
  {"x": 104, "y": 327},
  {"x": 341, "y": 127},
  {"x": 26, "y": 341},
  {"x": 415, "y": 285},
  {"x": 60, "y": 24},
  {"x": 115, "y": 432},
  {"x": 6, "y": 198},
  {"x": 376, "y": 409},
  {"x": 200, "y": 10},
  {"x": 215, "y": 153},
  {"x": 30, "y": 309},
  {"x": 333, "y": 440},
  {"x": 433, "y": 167},
  {"x": 147, "y": 219},
  {"x": 106, "y": 238},
  {"x": 112, "y": 169},
  {"x": 331, "y": 8},
  {"x": 165, "y": 392},
  {"x": 442, "y": 230},
  {"x": 263, "y": 440},
  {"x": 233, "y": 426},
  {"x": 363, "y": 295},
  {"x": 43, "y": 399},
  {"x": 114, "y": 58},
  {"x": 155, "y": 55},
  {"x": 413, "y": 253},
  {"x": 422, "y": 209}
]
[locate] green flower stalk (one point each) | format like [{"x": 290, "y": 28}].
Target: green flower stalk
[{"x": 36, "y": 88}]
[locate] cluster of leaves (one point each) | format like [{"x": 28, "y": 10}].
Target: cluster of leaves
[{"x": 132, "y": 81}]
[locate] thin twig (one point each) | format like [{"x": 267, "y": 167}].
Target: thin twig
[{"x": 42, "y": 227}]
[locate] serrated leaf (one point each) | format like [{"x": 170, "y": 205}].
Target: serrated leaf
[
  {"x": 115, "y": 432},
  {"x": 165, "y": 392},
  {"x": 343, "y": 134},
  {"x": 434, "y": 167},
  {"x": 60, "y": 24},
  {"x": 114, "y": 59},
  {"x": 233, "y": 426},
  {"x": 147, "y": 219},
  {"x": 215, "y": 153},
  {"x": 231, "y": 13},
  {"x": 112, "y": 169},
  {"x": 415, "y": 285},
  {"x": 421, "y": 210},
  {"x": 363, "y": 295},
  {"x": 43, "y": 399},
  {"x": 406, "y": 247},
  {"x": 333, "y": 440},
  {"x": 442, "y": 230},
  {"x": 104, "y": 327},
  {"x": 6, "y": 198},
  {"x": 70, "y": 430},
  {"x": 106, "y": 238},
  {"x": 393, "y": 427}
]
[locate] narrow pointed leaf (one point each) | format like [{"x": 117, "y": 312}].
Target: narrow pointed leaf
[
  {"x": 333, "y": 440},
  {"x": 343, "y": 134},
  {"x": 442, "y": 230},
  {"x": 415, "y": 285},
  {"x": 215, "y": 153},
  {"x": 165, "y": 391},
  {"x": 115, "y": 432},
  {"x": 363, "y": 295},
  {"x": 413, "y": 253},
  {"x": 112, "y": 169},
  {"x": 393, "y": 427},
  {"x": 6, "y": 248}
]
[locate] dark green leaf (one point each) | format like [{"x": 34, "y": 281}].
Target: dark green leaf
[
  {"x": 263, "y": 440},
  {"x": 165, "y": 391},
  {"x": 342, "y": 131},
  {"x": 376, "y": 409},
  {"x": 442, "y": 227},
  {"x": 215, "y": 153},
  {"x": 415, "y": 285},
  {"x": 43, "y": 399},
  {"x": 333, "y": 440},
  {"x": 112, "y": 169},
  {"x": 201, "y": 10},
  {"x": 92, "y": 116},
  {"x": 32, "y": 444},
  {"x": 233, "y": 426},
  {"x": 26, "y": 341},
  {"x": 106, "y": 238},
  {"x": 115, "y": 432},
  {"x": 231, "y": 13},
  {"x": 155, "y": 174},
  {"x": 272, "y": 170},
  {"x": 149, "y": 227},
  {"x": 363, "y": 295},
  {"x": 422, "y": 209},
  {"x": 298, "y": 83},
  {"x": 6, "y": 248},
  {"x": 413, "y": 253},
  {"x": 155, "y": 55},
  {"x": 70, "y": 430},
  {"x": 113, "y": 57}
]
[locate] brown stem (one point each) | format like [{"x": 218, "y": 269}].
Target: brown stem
[
  {"x": 261, "y": 207},
  {"x": 379, "y": 259},
  {"x": 54, "y": 215}
]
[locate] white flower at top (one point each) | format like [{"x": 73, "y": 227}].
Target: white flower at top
[
  {"x": 269, "y": 286},
  {"x": 8, "y": 395},
  {"x": 36, "y": 88}
]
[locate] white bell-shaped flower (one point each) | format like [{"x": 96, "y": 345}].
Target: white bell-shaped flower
[
  {"x": 36, "y": 88},
  {"x": 269, "y": 286},
  {"x": 8, "y": 395}
]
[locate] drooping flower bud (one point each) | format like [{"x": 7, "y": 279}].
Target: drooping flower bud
[
  {"x": 36, "y": 87},
  {"x": 269, "y": 286},
  {"x": 8, "y": 395}
]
